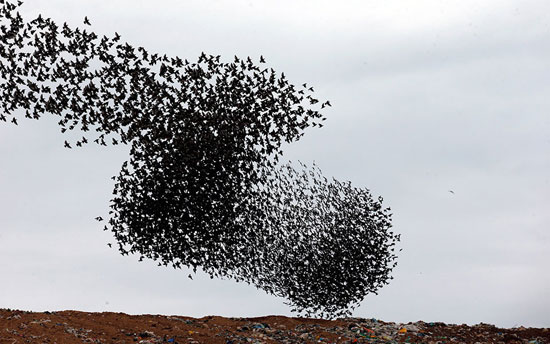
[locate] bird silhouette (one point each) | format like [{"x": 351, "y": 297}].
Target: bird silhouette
[{"x": 203, "y": 185}]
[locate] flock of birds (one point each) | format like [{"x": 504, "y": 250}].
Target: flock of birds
[{"x": 203, "y": 186}]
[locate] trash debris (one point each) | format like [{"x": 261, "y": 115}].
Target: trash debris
[{"x": 66, "y": 326}]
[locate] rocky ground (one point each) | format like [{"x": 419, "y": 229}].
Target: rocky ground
[{"x": 82, "y": 327}]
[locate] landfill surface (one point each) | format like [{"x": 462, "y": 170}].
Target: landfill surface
[{"x": 17, "y": 326}]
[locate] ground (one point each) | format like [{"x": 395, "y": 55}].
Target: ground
[{"x": 17, "y": 326}]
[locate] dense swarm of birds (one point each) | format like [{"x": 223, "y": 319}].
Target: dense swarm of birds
[{"x": 203, "y": 186}]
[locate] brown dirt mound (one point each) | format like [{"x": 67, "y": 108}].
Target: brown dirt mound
[{"x": 82, "y": 327}]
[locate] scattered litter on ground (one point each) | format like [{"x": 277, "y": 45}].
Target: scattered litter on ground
[{"x": 81, "y": 327}]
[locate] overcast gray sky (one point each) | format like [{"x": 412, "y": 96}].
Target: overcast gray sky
[{"x": 428, "y": 96}]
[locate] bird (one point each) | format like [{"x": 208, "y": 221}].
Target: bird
[
  {"x": 451, "y": 191},
  {"x": 205, "y": 140},
  {"x": 14, "y": 120},
  {"x": 99, "y": 218},
  {"x": 110, "y": 245},
  {"x": 67, "y": 145}
]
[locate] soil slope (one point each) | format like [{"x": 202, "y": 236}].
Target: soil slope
[{"x": 18, "y": 326}]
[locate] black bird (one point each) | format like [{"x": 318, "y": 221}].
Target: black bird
[
  {"x": 14, "y": 120},
  {"x": 110, "y": 245},
  {"x": 67, "y": 145},
  {"x": 99, "y": 218},
  {"x": 86, "y": 21},
  {"x": 200, "y": 157}
]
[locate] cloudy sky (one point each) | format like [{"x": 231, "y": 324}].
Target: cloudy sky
[{"x": 428, "y": 97}]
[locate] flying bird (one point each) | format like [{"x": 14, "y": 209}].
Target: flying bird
[{"x": 203, "y": 185}]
